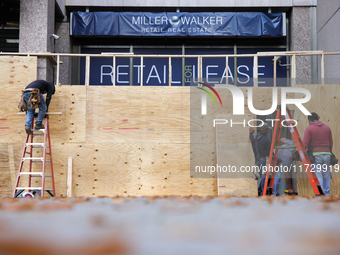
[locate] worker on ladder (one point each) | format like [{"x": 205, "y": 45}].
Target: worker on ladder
[{"x": 33, "y": 96}]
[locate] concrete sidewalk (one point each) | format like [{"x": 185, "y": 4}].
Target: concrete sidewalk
[{"x": 171, "y": 225}]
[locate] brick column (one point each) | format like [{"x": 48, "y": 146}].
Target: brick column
[{"x": 300, "y": 41}]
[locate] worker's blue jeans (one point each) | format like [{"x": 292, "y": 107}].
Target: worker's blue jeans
[
  {"x": 262, "y": 162},
  {"x": 322, "y": 171},
  {"x": 30, "y": 111}
]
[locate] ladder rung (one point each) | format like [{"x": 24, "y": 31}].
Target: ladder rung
[
  {"x": 33, "y": 174},
  {"x": 31, "y": 188},
  {"x": 285, "y": 147},
  {"x": 42, "y": 130},
  {"x": 40, "y": 176},
  {"x": 40, "y": 161},
  {"x": 40, "y": 144},
  {"x": 37, "y": 134},
  {"x": 22, "y": 173},
  {"x": 31, "y": 158}
]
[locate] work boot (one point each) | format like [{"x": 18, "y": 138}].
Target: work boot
[
  {"x": 256, "y": 175},
  {"x": 28, "y": 130},
  {"x": 39, "y": 126}
]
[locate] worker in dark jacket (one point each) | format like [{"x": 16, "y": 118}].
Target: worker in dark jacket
[
  {"x": 261, "y": 148},
  {"x": 34, "y": 98}
]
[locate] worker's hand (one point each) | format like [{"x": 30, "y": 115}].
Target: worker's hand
[{"x": 251, "y": 130}]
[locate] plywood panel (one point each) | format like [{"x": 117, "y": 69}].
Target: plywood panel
[
  {"x": 107, "y": 169},
  {"x": 17, "y": 71},
  {"x": 202, "y": 155},
  {"x": 234, "y": 152},
  {"x": 102, "y": 169},
  {"x": 70, "y": 125},
  {"x": 262, "y": 100},
  {"x": 5, "y": 180},
  {"x": 232, "y": 140},
  {"x": 141, "y": 114},
  {"x": 10, "y": 155},
  {"x": 164, "y": 170},
  {"x": 325, "y": 102},
  {"x": 15, "y": 74}
]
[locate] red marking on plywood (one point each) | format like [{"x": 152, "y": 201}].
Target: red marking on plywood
[
  {"x": 4, "y": 127},
  {"x": 221, "y": 186},
  {"x": 3, "y": 119},
  {"x": 125, "y": 120}
]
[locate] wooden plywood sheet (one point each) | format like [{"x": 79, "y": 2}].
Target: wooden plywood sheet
[
  {"x": 141, "y": 114},
  {"x": 15, "y": 74},
  {"x": 102, "y": 169},
  {"x": 202, "y": 155},
  {"x": 69, "y": 126},
  {"x": 5, "y": 181},
  {"x": 17, "y": 71},
  {"x": 10, "y": 155},
  {"x": 325, "y": 102},
  {"x": 124, "y": 169},
  {"x": 231, "y": 141},
  {"x": 234, "y": 154},
  {"x": 165, "y": 171}
]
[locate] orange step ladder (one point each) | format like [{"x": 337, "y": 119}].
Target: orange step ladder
[
  {"x": 46, "y": 146},
  {"x": 272, "y": 162}
]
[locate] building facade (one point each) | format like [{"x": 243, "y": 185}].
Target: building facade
[{"x": 27, "y": 27}]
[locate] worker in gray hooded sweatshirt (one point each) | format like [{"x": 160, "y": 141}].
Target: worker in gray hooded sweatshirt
[{"x": 286, "y": 157}]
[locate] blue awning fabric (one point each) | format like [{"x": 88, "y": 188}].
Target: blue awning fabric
[{"x": 177, "y": 24}]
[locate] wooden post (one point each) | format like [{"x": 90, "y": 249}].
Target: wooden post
[
  {"x": 322, "y": 68},
  {"x": 293, "y": 75},
  {"x": 226, "y": 68},
  {"x": 201, "y": 68},
  {"x": 274, "y": 75},
  {"x": 199, "y": 76},
  {"x": 114, "y": 71},
  {"x": 87, "y": 71},
  {"x": 169, "y": 71},
  {"x": 141, "y": 71},
  {"x": 218, "y": 176},
  {"x": 255, "y": 71},
  {"x": 58, "y": 68},
  {"x": 69, "y": 177}
]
